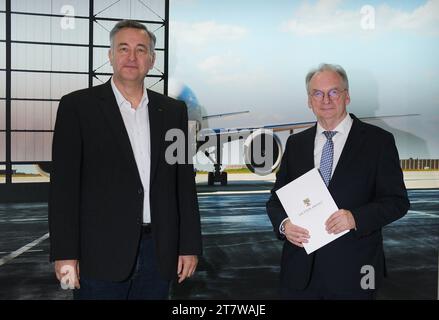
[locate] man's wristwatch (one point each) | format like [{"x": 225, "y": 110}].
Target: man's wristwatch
[{"x": 282, "y": 228}]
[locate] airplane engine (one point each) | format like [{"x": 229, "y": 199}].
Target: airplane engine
[{"x": 262, "y": 152}]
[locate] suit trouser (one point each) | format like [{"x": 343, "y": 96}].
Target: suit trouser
[
  {"x": 318, "y": 290},
  {"x": 145, "y": 282}
]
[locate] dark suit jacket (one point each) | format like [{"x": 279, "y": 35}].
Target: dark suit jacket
[
  {"x": 368, "y": 181},
  {"x": 96, "y": 195}
]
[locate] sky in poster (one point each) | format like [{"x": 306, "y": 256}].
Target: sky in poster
[{"x": 254, "y": 55}]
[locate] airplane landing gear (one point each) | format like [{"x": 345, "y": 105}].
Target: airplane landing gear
[{"x": 217, "y": 176}]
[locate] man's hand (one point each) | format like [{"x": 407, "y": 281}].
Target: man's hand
[
  {"x": 295, "y": 234},
  {"x": 340, "y": 221},
  {"x": 186, "y": 267},
  {"x": 67, "y": 272}
]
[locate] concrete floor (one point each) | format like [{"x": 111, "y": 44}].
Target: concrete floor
[{"x": 241, "y": 255}]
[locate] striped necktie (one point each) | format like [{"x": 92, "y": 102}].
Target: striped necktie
[{"x": 327, "y": 157}]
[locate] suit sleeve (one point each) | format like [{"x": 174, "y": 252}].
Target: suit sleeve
[
  {"x": 190, "y": 226},
  {"x": 390, "y": 201},
  {"x": 64, "y": 195},
  {"x": 274, "y": 207}
]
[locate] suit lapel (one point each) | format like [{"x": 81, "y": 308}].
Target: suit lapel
[
  {"x": 308, "y": 148},
  {"x": 110, "y": 109},
  {"x": 155, "y": 111},
  {"x": 352, "y": 146}
]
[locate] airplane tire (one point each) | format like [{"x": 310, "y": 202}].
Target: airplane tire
[{"x": 223, "y": 178}]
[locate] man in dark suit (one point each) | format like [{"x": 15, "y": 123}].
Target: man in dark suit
[
  {"x": 360, "y": 165},
  {"x": 123, "y": 220}
]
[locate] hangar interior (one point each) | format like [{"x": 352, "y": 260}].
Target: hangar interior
[{"x": 47, "y": 49}]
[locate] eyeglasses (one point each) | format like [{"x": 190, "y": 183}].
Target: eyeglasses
[{"x": 333, "y": 94}]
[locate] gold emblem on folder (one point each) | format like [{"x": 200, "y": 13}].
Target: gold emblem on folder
[{"x": 307, "y": 202}]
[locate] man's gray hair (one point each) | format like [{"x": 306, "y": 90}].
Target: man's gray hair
[
  {"x": 135, "y": 25},
  {"x": 328, "y": 67}
]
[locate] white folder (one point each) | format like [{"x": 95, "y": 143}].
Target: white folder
[{"x": 309, "y": 204}]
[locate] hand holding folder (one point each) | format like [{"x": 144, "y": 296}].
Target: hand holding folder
[{"x": 309, "y": 204}]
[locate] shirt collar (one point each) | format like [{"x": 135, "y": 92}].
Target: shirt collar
[
  {"x": 120, "y": 99},
  {"x": 343, "y": 127}
]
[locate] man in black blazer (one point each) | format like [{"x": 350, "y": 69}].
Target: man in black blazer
[
  {"x": 123, "y": 220},
  {"x": 364, "y": 178}
]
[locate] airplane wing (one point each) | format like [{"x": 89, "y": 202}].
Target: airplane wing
[
  {"x": 243, "y": 132},
  {"x": 221, "y": 115}
]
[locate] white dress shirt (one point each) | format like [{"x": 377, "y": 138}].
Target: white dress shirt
[
  {"x": 137, "y": 125},
  {"x": 339, "y": 139}
]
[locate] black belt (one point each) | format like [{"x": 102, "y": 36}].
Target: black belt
[{"x": 146, "y": 228}]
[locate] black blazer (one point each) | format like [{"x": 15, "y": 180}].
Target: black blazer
[
  {"x": 96, "y": 195},
  {"x": 368, "y": 181}
]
